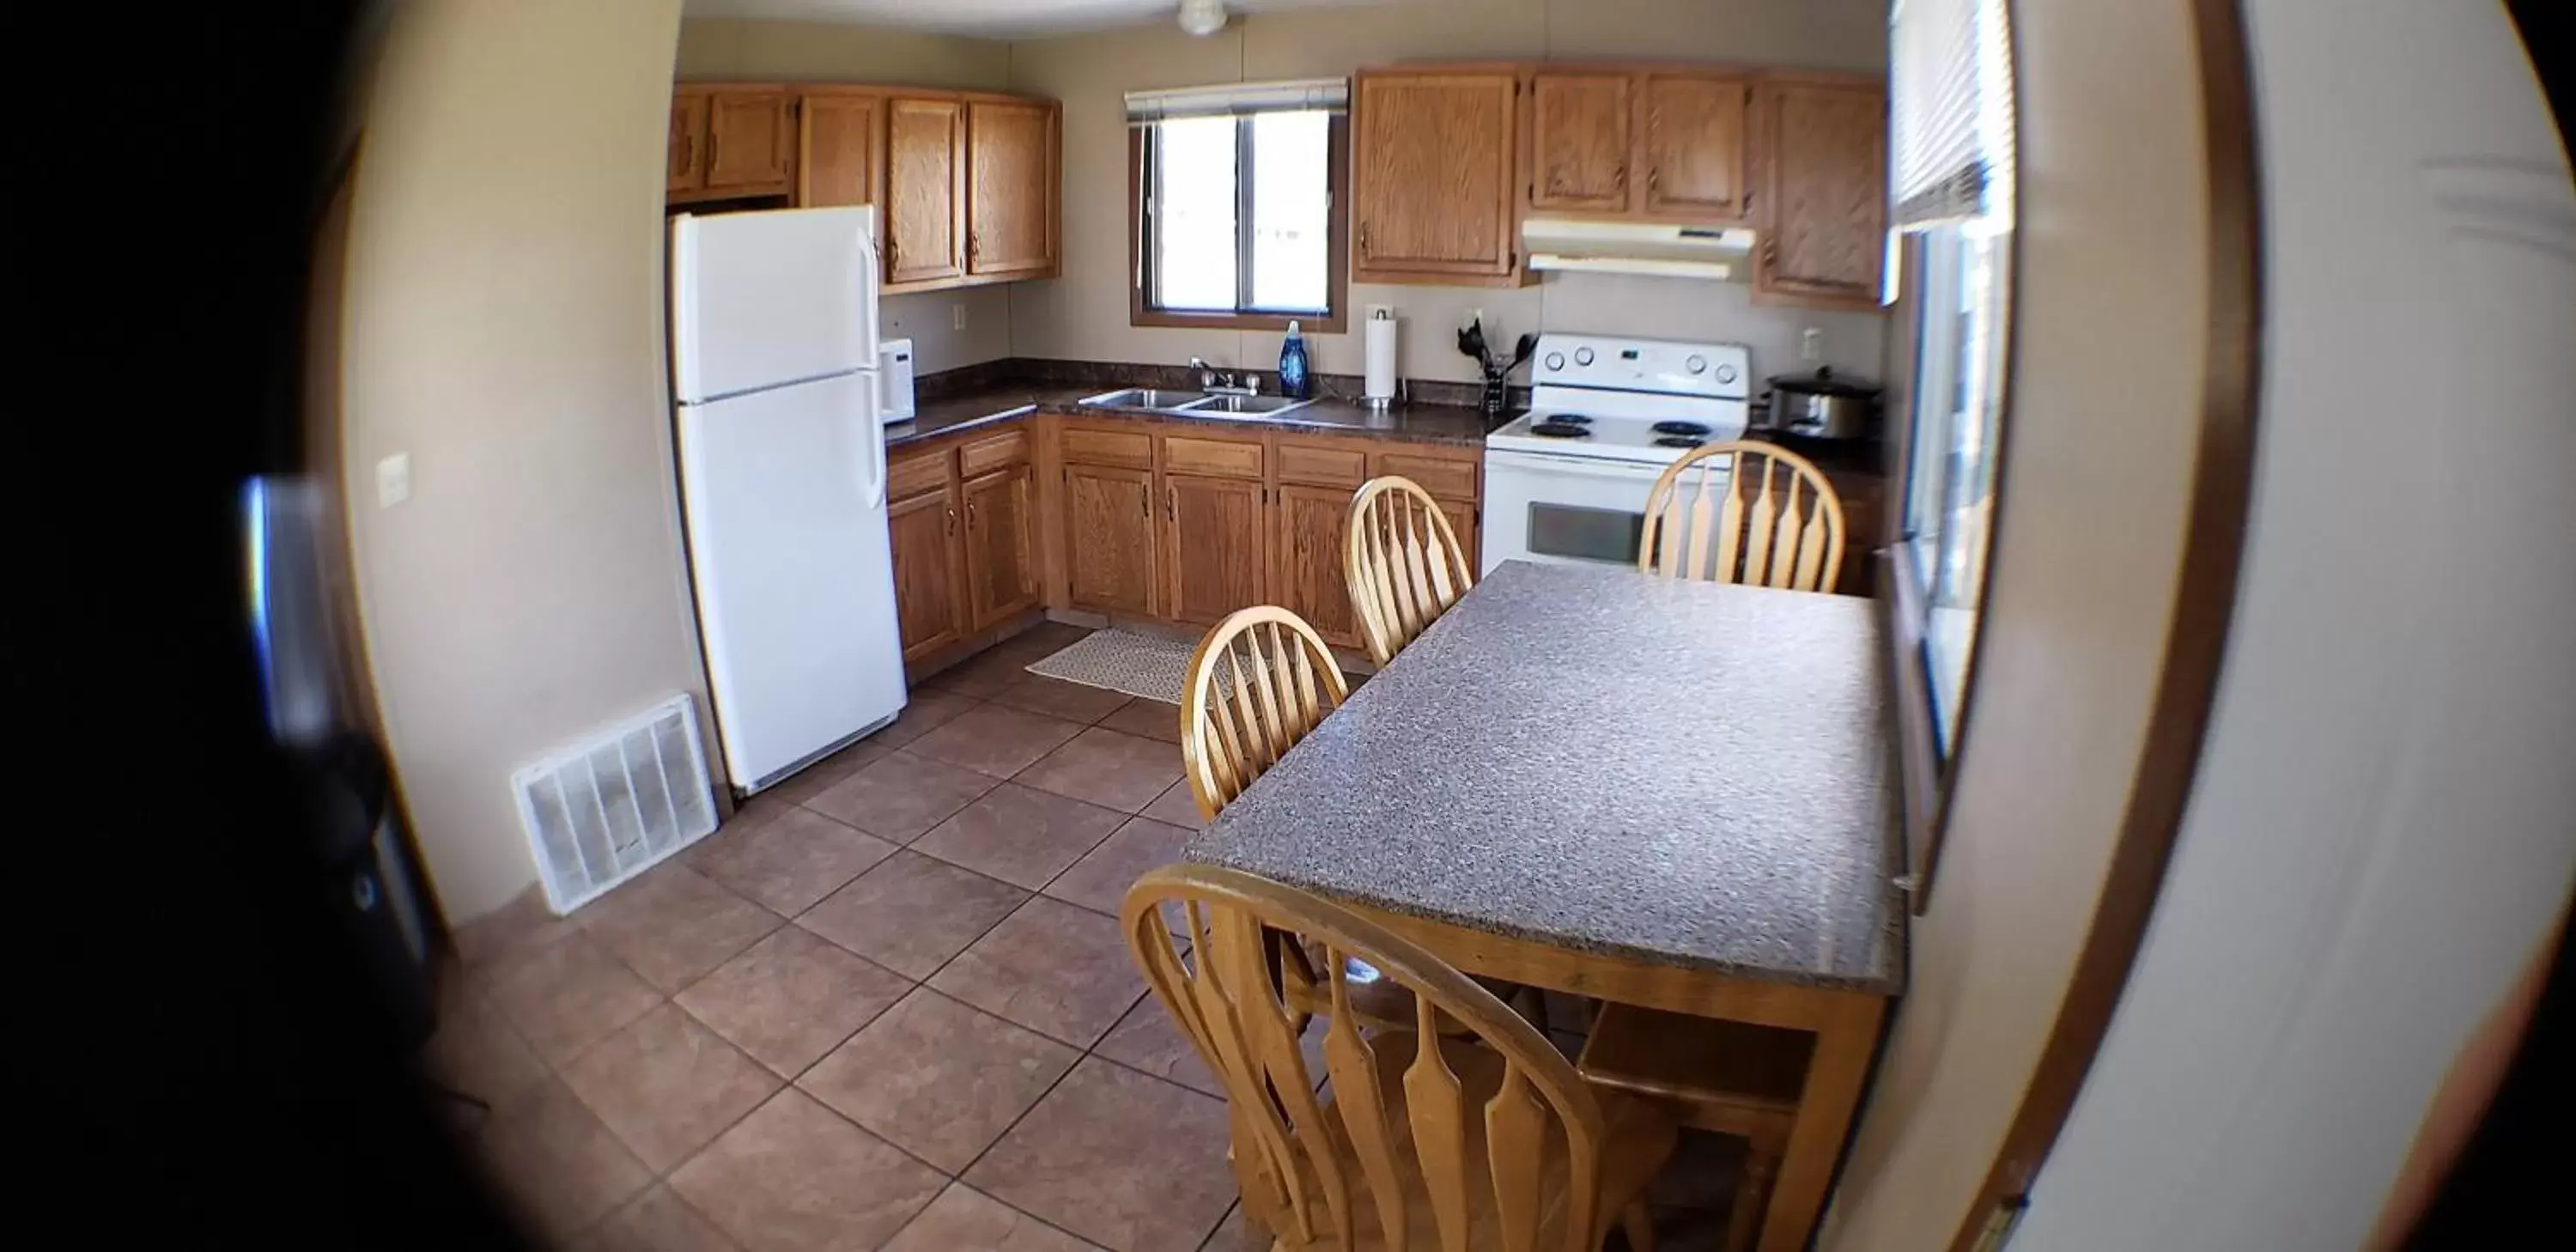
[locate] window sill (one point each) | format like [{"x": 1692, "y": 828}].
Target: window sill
[{"x": 1321, "y": 324}]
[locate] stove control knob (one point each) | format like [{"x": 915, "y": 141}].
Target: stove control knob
[
  {"x": 1726, "y": 373},
  {"x": 1583, "y": 356},
  {"x": 1555, "y": 360},
  {"x": 1695, "y": 364}
]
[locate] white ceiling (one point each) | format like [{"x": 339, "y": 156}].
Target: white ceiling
[{"x": 987, "y": 18}]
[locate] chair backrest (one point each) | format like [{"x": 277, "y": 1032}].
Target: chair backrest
[
  {"x": 1402, "y": 562},
  {"x": 1259, "y": 681},
  {"x": 1483, "y": 1157},
  {"x": 1714, "y": 515}
]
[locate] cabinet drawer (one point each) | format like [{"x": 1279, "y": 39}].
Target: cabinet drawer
[
  {"x": 908, "y": 476},
  {"x": 1218, "y": 458},
  {"x": 1439, "y": 476},
  {"x": 1133, "y": 449},
  {"x": 1322, "y": 466},
  {"x": 993, "y": 451}
]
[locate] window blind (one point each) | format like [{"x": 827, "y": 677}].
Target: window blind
[
  {"x": 1951, "y": 105},
  {"x": 1331, "y": 95}
]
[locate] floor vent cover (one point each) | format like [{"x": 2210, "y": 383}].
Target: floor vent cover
[{"x": 602, "y": 811}]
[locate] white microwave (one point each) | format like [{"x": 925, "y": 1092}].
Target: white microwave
[{"x": 894, "y": 379}]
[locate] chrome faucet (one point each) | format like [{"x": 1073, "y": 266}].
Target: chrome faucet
[{"x": 1217, "y": 383}]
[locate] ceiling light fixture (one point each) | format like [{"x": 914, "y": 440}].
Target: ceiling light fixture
[{"x": 1202, "y": 17}]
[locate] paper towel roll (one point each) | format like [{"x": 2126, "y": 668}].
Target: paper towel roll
[{"x": 1380, "y": 344}]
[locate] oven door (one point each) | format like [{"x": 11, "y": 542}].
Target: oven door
[{"x": 1569, "y": 510}]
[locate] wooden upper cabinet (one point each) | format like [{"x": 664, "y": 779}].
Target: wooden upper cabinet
[
  {"x": 1001, "y": 560},
  {"x": 1307, "y": 534},
  {"x": 1433, "y": 177},
  {"x": 1011, "y": 148},
  {"x": 1211, "y": 546},
  {"x": 750, "y": 141},
  {"x": 925, "y": 187},
  {"x": 1109, "y": 535},
  {"x": 1824, "y": 209},
  {"x": 1691, "y": 145},
  {"x": 1579, "y": 142},
  {"x": 841, "y": 144},
  {"x": 688, "y": 155}
]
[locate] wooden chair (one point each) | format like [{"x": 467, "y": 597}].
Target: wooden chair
[
  {"x": 1402, "y": 562},
  {"x": 1731, "y": 529},
  {"x": 1282, "y": 680},
  {"x": 1733, "y": 1078},
  {"x": 1426, "y": 1141}
]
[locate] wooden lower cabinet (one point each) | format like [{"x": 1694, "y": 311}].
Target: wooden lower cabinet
[
  {"x": 929, "y": 573},
  {"x": 1308, "y": 528},
  {"x": 1212, "y": 544},
  {"x": 1001, "y": 569},
  {"x": 1109, "y": 539}
]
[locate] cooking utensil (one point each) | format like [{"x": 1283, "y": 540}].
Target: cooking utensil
[{"x": 1823, "y": 405}]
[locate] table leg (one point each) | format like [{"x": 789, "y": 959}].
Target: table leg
[{"x": 1835, "y": 1073}]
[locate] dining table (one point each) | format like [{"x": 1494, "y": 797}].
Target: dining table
[{"x": 1674, "y": 794}]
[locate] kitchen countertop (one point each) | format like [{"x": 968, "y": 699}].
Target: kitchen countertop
[
  {"x": 1678, "y": 773},
  {"x": 983, "y": 406}
]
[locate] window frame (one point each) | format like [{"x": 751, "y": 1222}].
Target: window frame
[{"x": 1334, "y": 320}]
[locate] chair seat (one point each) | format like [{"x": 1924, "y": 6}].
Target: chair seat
[
  {"x": 1379, "y": 1003},
  {"x": 1638, "y": 1137},
  {"x": 1753, "y": 1071}
]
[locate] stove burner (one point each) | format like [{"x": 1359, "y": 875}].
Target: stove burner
[
  {"x": 1569, "y": 419},
  {"x": 1559, "y": 428},
  {"x": 1678, "y": 441},
  {"x": 1697, "y": 430}
]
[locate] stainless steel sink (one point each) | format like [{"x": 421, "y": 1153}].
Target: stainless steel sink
[
  {"x": 1247, "y": 404},
  {"x": 1145, "y": 398}
]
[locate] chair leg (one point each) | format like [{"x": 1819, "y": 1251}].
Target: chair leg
[
  {"x": 1752, "y": 1196},
  {"x": 1640, "y": 1226}
]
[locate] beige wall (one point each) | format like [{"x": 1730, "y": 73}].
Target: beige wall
[
  {"x": 504, "y": 328},
  {"x": 2100, "y": 440},
  {"x": 1084, "y": 314}
]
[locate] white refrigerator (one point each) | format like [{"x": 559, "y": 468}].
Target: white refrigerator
[{"x": 783, "y": 480}]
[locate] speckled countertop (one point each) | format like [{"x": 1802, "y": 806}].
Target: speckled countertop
[
  {"x": 983, "y": 406},
  {"x": 1680, "y": 773}
]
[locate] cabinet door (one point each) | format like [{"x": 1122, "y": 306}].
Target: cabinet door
[
  {"x": 1001, "y": 569},
  {"x": 687, "y": 160},
  {"x": 1692, "y": 146},
  {"x": 1212, "y": 541},
  {"x": 1463, "y": 518},
  {"x": 1579, "y": 142},
  {"x": 1307, "y": 534},
  {"x": 925, "y": 179},
  {"x": 1826, "y": 149},
  {"x": 1432, "y": 174},
  {"x": 1010, "y": 190},
  {"x": 929, "y": 608},
  {"x": 1109, "y": 536},
  {"x": 840, "y": 138},
  {"x": 748, "y": 141}
]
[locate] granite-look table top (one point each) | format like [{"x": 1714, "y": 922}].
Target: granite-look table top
[
  {"x": 1678, "y": 773},
  {"x": 984, "y": 406}
]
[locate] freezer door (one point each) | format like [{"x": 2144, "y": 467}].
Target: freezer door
[
  {"x": 784, "y": 492},
  {"x": 761, "y": 299}
]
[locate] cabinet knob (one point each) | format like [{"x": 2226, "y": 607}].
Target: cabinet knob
[
  {"x": 1364, "y": 243},
  {"x": 1619, "y": 177},
  {"x": 952, "y": 520}
]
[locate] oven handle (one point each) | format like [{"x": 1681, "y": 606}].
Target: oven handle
[{"x": 1589, "y": 467}]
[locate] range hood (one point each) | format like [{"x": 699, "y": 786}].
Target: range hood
[{"x": 1557, "y": 243}]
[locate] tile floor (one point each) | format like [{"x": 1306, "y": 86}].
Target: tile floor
[{"x": 885, "y": 1008}]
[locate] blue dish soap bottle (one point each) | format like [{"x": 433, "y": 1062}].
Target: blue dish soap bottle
[{"x": 1293, "y": 382}]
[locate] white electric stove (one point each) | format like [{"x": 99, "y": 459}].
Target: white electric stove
[{"x": 1566, "y": 482}]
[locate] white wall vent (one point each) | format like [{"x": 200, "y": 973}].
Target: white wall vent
[{"x": 604, "y": 810}]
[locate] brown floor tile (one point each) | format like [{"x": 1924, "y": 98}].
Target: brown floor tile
[
  {"x": 791, "y": 998},
  {"x": 559, "y": 1165},
  {"x": 656, "y": 1221},
  {"x": 794, "y": 1176},
  {"x": 1147, "y": 1040},
  {"x": 476, "y": 1051},
  {"x": 1022, "y": 836},
  {"x": 938, "y": 1079},
  {"x": 1151, "y": 719},
  {"x": 1049, "y": 637},
  {"x": 570, "y": 996},
  {"x": 1688, "y": 1230},
  {"x": 1176, "y": 807},
  {"x": 1123, "y": 772},
  {"x": 901, "y": 796},
  {"x": 1074, "y": 702},
  {"x": 982, "y": 675},
  {"x": 963, "y": 1218},
  {"x": 995, "y": 740},
  {"x": 667, "y": 1085},
  {"x": 911, "y": 913},
  {"x": 1123, "y": 1160},
  {"x": 1056, "y": 969},
  {"x": 1235, "y": 1234},
  {"x": 1702, "y": 1173},
  {"x": 1099, "y": 881},
  {"x": 815, "y": 779},
  {"x": 923, "y": 712},
  {"x": 797, "y": 857},
  {"x": 489, "y": 944},
  {"x": 674, "y": 924}
]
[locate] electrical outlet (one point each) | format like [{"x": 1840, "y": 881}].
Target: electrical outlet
[
  {"x": 1811, "y": 345},
  {"x": 957, "y": 315},
  {"x": 393, "y": 480}
]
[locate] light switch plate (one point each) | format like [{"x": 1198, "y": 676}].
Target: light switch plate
[{"x": 393, "y": 480}]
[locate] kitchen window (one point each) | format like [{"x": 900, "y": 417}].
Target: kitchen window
[{"x": 1236, "y": 206}]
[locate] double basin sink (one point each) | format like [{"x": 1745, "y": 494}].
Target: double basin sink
[{"x": 1196, "y": 402}]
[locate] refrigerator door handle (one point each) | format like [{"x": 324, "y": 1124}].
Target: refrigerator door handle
[{"x": 876, "y": 492}]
